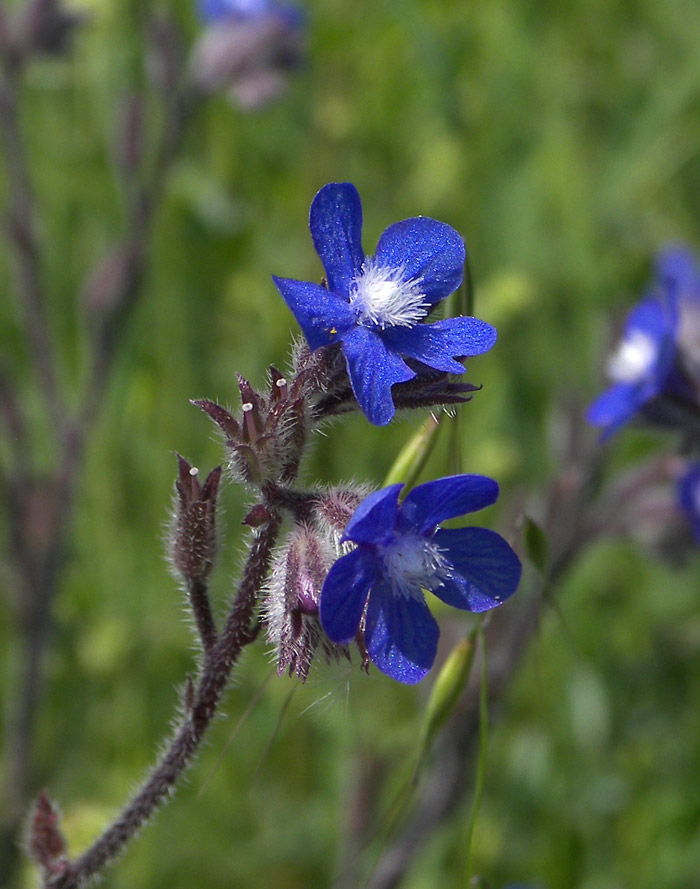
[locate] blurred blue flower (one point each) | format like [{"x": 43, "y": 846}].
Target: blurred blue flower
[
  {"x": 640, "y": 366},
  {"x": 655, "y": 370},
  {"x": 247, "y": 49},
  {"x": 400, "y": 551},
  {"x": 679, "y": 273},
  {"x": 688, "y": 492},
  {"x": 374, "y": 306}
]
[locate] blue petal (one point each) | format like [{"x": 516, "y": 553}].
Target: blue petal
[
  {"x": 436, "y": 344},
  {"x": 322, "y": 316},
  {"x": 335, "y": 221},
  {"x": 401, "y": 635},
  {"x": 427, "y": 249},
  {"x": 678, "y": 272},
  {"x": 373, "y": 370},
  {"x": 374, "y": 519},
  {"x": 616, "y": 406},
  {"x": 344, "y": 593},
  {"x": 654, "y": 318},
  {"x": 431, "y": 503},
  {"x": 487, "y": 571}
]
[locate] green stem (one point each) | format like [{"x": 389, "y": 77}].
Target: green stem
[{"x": 481, "y": 761}]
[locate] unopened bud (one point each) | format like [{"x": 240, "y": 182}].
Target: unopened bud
[
  {"x": 291, "y": 605},
  {"x": 334, "y": 508},
  {"x": 194, "y": 533},
  {"x": 45, "y": 842}
]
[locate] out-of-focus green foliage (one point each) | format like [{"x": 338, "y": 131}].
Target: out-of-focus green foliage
[{"x": 563, "y": 141}]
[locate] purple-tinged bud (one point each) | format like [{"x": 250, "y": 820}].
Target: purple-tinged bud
[
  {"x": 333, "y": 509},
  {"x": 266, "y": 444},
  {"x": 259, "y": 515},
  {"x": 194, "y": 532},
  {"x": 45, "y": 843},
  {"x": 291, "y": 603},
  {"x": 221, "y": 417}
]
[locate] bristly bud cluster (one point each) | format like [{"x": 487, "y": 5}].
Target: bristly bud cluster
[
  {"x": 299, "y": 570},
  {"x": 193, "y": 544},
  {"x": 45, "y": 843},
  {"x": 266, "y": 442}
]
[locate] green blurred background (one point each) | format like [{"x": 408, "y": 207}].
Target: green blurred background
[{"x": 563, "y": 141}]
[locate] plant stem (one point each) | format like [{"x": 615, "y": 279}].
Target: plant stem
[{"x": 157, "y": 788}]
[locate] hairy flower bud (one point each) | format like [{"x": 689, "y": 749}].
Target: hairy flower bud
[
  {"x": 194, "y": 532},
  {"x": 291, "y": 603},
  {"x": 45, "y": 842},
  {"x": 265, "y": 445}
]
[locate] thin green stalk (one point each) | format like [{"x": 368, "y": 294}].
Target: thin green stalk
[{"x": 481, "y": 761}]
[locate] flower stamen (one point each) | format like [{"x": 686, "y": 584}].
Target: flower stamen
[{"x": 384, "y": 298}]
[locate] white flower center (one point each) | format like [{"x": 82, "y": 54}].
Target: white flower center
[
  {"x": 413, "y": 563},
  {"x": 384, "y": 299},
  {"x": 633, "y": 359}
]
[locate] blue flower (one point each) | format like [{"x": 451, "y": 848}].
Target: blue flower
[
  {"x": 400, "y": 551},
  {"x": 640, "y": 366},
  {"x": 374, "y": 306},
  {"x": 688, "y": 492}
]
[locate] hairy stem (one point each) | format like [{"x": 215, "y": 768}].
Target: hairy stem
[
  {"x": 201, "y": 609},
  {"x": 237, "y": 633}
]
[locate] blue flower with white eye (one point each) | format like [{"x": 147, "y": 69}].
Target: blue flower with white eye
[
  {"x": 375, "y": 306},
  {"x": 400, "y": 551},
  {"x": 641, "y": 366}
]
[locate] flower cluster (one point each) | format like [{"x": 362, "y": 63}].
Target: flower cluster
[
  {"x": 655, "y": 370},
  {"x": 353, "y": 568}
]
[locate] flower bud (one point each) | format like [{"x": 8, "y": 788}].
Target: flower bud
[
  {"x": 266, "y": 444},
  {"x": 45, "y": 842},
  {"x": 291, "y": 603},
  {"x": 194, "y": 532}
]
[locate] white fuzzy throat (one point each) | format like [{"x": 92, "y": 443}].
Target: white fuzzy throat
[
  {"x": 633, "y": 359},
  {"x": 383, "y": 298},
  {"x": 412, "y": 564}
]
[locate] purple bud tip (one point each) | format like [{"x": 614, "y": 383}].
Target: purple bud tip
[
  {"x": 221, "y": 417},
  {"x": 46, "y": 844},
  {"x": 194, "y": 533}
]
